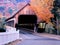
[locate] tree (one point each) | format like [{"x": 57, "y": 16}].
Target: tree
[
  {"x": 56, "y": 12},
  {"x": 56, "y": 9},
  {"x": 43, "y": 9}
]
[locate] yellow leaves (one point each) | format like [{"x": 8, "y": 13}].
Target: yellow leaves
[{"x": 42, "y": 9}]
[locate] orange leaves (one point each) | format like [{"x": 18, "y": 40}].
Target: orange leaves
[{"x": 42, "y": 9}]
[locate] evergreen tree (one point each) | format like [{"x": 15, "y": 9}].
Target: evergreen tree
[
  {"x": 56, "y": 6},
  {"x": 56, "y": 12}
]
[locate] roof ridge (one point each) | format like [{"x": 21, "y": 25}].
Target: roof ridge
[{"x": 17, "y": 12}]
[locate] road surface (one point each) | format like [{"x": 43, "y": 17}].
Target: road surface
[{"x": 32, "y": 39}]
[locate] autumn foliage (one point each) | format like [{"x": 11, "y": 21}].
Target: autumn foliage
[{"x": 42, "y": 9}]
